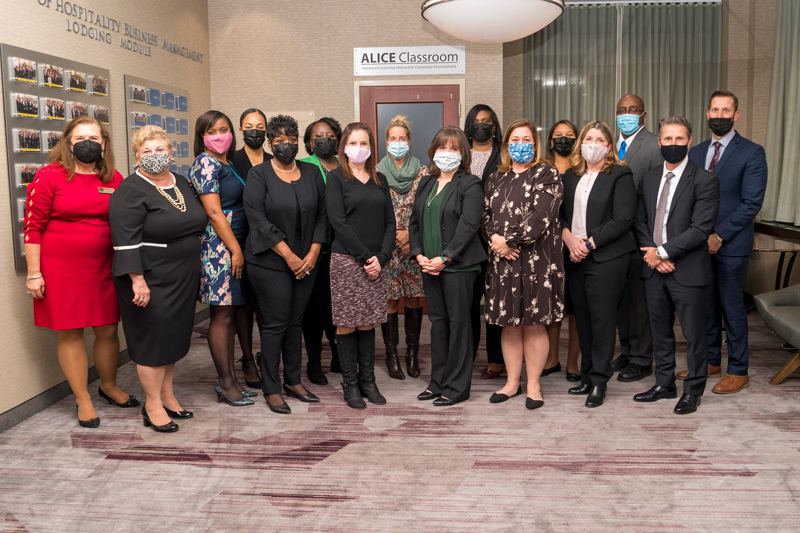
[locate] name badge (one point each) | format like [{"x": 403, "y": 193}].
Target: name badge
[{"x": 105, "y": 190}]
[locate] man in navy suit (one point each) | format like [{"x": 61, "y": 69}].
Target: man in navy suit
[
  {"x": 741, "y": 167},
  {"x": 675, "y": 213}
]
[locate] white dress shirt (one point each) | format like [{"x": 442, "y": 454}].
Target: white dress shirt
[
  {"x": 582, "y": 192},
  {"x": 673, "y": 184},
  {"x": 628, "y": 141},
  {"x": 725, "y": 141}
]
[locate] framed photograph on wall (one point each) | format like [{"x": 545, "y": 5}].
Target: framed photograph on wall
[
  {"x": 51, "y": 139},
  {"x": 26, "y": 140},
  {"x": 139, "y": 120},
  {"x": 24, "y": 105},
  {"x": 154, "y": 97},
  {"x": 52, "y": 76},
  {"x": 99, "y": 85},
  {"x": 100, "y": 112},
  {"x": 26, "y": 172},
  {"x": 23, "y": 70},
  {"x": 77, "y": 109},
  {"x": 169, "y": 101},
  {"x": 169, "y": 125},
  {"x": 54, "y": 108},
  {"x": 183, "y": 104},
  {"x": 138, "y": 94},
  {"x": 183, "y": 126},
  {"x": 155, "y": 120},
  {"x": 185, "y": 149},
  {"x": 77, "y": 81}
]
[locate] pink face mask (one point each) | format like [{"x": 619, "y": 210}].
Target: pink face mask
[
  {"x": 218, "y": 144},
  {"x": 356, "y": 154}
]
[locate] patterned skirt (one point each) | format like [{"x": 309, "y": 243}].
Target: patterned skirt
[{"x": 355, "y": 300}]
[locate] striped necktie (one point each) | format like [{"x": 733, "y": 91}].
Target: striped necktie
[{"x": 715, "y": 159}]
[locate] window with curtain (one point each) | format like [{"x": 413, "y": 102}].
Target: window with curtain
[{"x": 669, "y": 54}]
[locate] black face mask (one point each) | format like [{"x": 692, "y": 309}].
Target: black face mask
[
  {"x": 674, "y": 153},
  {"x": 325, "y": 147},
  {"x": 285, "y": 152},
  {"x": 720, "y": 126},
  {"x": 481, "y": 132},
  {"x": 254, "y": 138},
  {"x": 87, "y": 151},
  {"x": 563, "y": 145}
]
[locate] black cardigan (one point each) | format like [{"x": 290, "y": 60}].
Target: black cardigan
[
  {"x": 462, "y": 207},
  {"x": 241, "y": 163}
]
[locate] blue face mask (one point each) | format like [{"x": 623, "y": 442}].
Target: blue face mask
[
  {"x": 520, "y": 152},
  {"x": 398, "y": 150},
  {"x": 628, "y": 123}
]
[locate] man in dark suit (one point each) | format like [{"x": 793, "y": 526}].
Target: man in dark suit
[
  {"x": 741, "y": 167},
  {"x": 639, "y": 149},
  {"x": 675, "y": 213}
]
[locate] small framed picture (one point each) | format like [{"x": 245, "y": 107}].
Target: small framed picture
[
  {"x": 138, "y": 94},
  {"x": 52, "y": 76},
  {"x": 154, "y": 97},
  {"x": 54, "y": 108},
  {"x": 77, "y": 109},
  {"x": 77, "y": 81},
  {"x": 169, "y": 101},
  {"x": 99, "y": 85},
  {"x": 23, "y": 70},
  {"x": 51, "y": 139},
  {"x": 183, "y": 126},
  {"x": 100, "y": 112},
  {"x": 183, "y": 104},
  {"x": 26, "y": 172},
  {"x": 25, "y": 105},
  {"x": 26, "y": 140},
  {"x": 155, "y": 120},
  {"x": 139, "y": 120},
  {"x": 169, "y": 125}
]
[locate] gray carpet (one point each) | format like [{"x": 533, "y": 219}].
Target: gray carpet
[{"x": 409, "y": 466}]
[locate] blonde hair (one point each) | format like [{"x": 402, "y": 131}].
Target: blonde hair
[
  {"x": 400, "y": 121},
  {"x": 149, "y": 133},
  {"x": 577, "y": 161},
  {"x": 505, "y": 159}
]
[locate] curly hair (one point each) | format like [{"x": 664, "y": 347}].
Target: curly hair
[{"x": 281, "y": 124}]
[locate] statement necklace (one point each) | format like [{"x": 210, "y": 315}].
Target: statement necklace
[
  {"x": 294, "y": 166},
  {"x": 180, "y": 203}
]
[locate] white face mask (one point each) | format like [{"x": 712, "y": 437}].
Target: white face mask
[
  {"x": 593, "y": 153},
  {"x": 447, "y": 161}
]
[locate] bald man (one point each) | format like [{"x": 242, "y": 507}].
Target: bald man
[{"x": 640, "y": 150}]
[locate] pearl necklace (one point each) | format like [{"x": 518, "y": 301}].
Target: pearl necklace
[{"x": 294, "y": 166}]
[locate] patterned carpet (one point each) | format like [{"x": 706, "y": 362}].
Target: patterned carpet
[{"x": 409, "y": 466}]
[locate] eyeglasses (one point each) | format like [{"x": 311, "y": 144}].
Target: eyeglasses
[{"x": 630, "y": 110}]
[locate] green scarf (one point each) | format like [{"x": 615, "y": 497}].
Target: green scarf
[{"x": 400, "y": 181}]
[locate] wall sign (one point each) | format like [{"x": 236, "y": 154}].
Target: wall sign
[{"x": 409, "y": 60}]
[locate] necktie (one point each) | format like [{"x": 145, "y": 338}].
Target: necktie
[
  {"x": 715, "y": 159},
  {"x": 622, "y": 148},
  {"x": 661, "y": 211}
]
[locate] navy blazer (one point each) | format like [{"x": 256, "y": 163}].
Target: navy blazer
[
  {"x": 742, "y": 175},
  {"x": 690, "y": 221}
]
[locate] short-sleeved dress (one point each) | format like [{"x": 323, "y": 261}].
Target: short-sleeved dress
[
  {"x": 523, "y": 208},
  {"x": 69, "y": 219},
  {"x": 153, "y": 238},
  {"x": 218, "y": 286},
  {"x": 405, "y": 276}
]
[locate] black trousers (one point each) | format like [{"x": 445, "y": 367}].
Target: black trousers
[
  {"x": 633, "y": 324},
  {"x": 317, "y": 318},
  {"x": 665, "y": 296},
  {"x": 282, "y": 300},
  {"x": 449, "y": 295},
  {"x": 494, "y": 350},
  {"x": 596, "y": 289}
]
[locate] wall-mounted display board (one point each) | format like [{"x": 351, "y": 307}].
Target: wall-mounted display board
[
  {"x": 156, "y": 104},
  {"x": 41, "y": 94}
]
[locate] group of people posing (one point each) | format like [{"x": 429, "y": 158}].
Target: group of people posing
[{"x": 611, "y": 230}]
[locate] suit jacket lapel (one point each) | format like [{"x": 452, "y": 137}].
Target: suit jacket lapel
[
  {"x": 449, "y": 192},
  {"x": 683, "y": 184},
  {"x": 728, "y": 151},
  {"x": 653, "y": 201},
  {"x": 422, "y": 193},
  {"x": 635, "y": 145}
]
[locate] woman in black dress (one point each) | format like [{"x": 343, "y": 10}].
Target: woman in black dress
[
  {"x": 156, "y": 222},
  {"x": 362, "y": 218},
  {"x": 284, "y": 201}
]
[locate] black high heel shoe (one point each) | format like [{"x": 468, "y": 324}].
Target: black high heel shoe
[
  {"x": 308, "y": 397},
  {"x": 253, "y": 384},
  {"x": 91, "y": 423},
  {"x": 132, "y": 401},
  {"x": 233, "y": 403},
  {"x": 170, "y": 427},
  {"x": 281, "y": 409},
  {"x": 181, "y": 415}
]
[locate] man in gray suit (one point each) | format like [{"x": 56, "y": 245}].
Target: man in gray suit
[{"x": 640, "y": 150}]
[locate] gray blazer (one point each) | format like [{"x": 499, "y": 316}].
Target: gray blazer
[{"x": 643, "y": 155}]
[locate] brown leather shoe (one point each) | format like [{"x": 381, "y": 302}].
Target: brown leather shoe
[
  {"x": 713, "y": 372},
  {"x": 731, "y": 383}
]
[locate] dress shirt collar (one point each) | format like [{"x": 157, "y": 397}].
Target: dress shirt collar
[
  {"x": 725, "y": 141},
  {"x": 629, "y": 140},
  {"x": 678, "y": 172}
]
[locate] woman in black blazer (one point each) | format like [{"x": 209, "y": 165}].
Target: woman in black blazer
[
  {"x": 443, "y": 236},
  {"x": 596, "y": 218},
  {"x": 485, "y": 136}
]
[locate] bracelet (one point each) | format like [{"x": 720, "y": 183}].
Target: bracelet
[{"x": 34, "y": 277}]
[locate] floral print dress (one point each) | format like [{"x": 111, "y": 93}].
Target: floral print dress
[
  {"x": 405, "y": 276},
  {"x": 523, "y": 208}
]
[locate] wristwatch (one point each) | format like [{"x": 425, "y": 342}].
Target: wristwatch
[
  {"x": 445, "y": 260},
  {"x": 589, "y": 244},
  {"x": 717, "y": 237},
  {"x": 658, "y": 253}
]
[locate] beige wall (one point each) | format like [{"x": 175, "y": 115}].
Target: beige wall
[
  {"x": 298, "y": 56},
  {"x": 28, "y": 357}
]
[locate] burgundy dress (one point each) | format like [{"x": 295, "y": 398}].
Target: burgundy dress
[{"x": 70, "y": 221}]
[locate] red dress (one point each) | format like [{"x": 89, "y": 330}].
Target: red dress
[{"x": 70, "y": 221}]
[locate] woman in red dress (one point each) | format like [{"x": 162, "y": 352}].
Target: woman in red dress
[{"x": 69, "y": 253}]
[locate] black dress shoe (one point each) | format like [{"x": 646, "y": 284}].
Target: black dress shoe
[
  {"x": 169, "y": 427},
  {"x": 596, "y": 396},
  {"x": 426, "y": 395},
  {"x": 657, "y": 393},
  {"x": 282, "y": 409},
  {"x": 620, "y": 363},
  {"x": 315, "y": 374},
  {"x": 308, "y": 397},
  {"x": 532, "y": 404},
  {"x": 132, "y": 401},
  {"x": 687, "y": 404},
  {"x": 634, "y": 372},
  {"x": 581, "y": 389},
  {"x": 91, "y": 423},
  {"x": 551, "y": 370},
  {"x": 573, "y": 377},
  {"x": 500, "y": 397},
  {"x": 179, "y": 414},
  {"x": 444, "y": 402}
]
